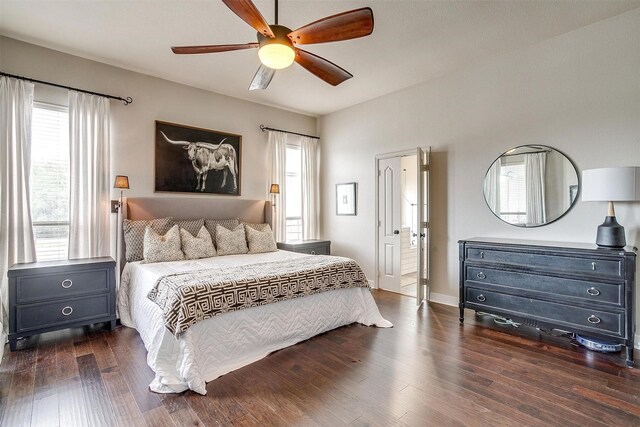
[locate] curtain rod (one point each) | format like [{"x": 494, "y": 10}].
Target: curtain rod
[
  {"x": 128, "y": 100},
  {"x": 263, "y": 128}
]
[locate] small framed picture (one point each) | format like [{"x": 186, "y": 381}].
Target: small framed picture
[{"x": 346, "y": 198}]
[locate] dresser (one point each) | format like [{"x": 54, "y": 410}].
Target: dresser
[
  {"x": 52, "y": 295},
  {"x": 577, "y": 288},
  {"x": 313, "y": 247}
]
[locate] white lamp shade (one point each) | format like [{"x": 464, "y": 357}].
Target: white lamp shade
[{"x": 611, "y": 184}]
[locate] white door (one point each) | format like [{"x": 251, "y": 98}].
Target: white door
[
  {"x": 423, "y": 225},
  {"x": 389, "y": 221}
]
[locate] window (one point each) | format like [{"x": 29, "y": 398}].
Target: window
[
  {"x": 513, "y": 193},
  {"x": 50, "y": 181},
  {"x": 293, "y": 176}
]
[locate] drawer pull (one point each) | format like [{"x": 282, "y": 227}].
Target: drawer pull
[
  {"x": 482, "y": 255},
  {"x": 481, "y": 298},
  {"x": 66, "y": 283},
  {"x": 593, "y": 319},
  {"x": 593, "y": 291},
  {"x": 313, "y": 252},
  {"x": 593, "y": 266},
  {"x": 67, "y": 310},
  {"x": 481, "y": 275}
]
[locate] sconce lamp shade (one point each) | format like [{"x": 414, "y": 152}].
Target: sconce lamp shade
[
  {"x": 611, "y": 184},
  {"x": 121, "y": 182},
  {"x": 275, "y": 189}
]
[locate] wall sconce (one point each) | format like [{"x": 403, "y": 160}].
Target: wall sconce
[{"x": 274, "y": 189}]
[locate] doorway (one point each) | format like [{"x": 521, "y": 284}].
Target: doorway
[{"x": 402, "y": 217}]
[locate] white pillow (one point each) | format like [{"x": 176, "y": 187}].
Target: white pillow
[
  {"x": 260, "y": 241},
  {"x": 159, "y": 248},
  {"x": 231, "y": 242},
  {"x": 199, "y": 246}
]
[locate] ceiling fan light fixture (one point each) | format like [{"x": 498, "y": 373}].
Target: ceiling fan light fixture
[{"x": 276, "y": 55}]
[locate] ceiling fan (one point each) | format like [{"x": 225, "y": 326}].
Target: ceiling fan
[{"x": 277, "y": 44}]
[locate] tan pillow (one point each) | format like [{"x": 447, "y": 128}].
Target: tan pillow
[
  {"x": 193, "y": 226},
  {"x": 231, "y": 242},
  {"x": 260, "y": 241},
  {"x": 199, "y": 246},
  {"x": 134, "y": 235},
  {"x": 259, "y": 227},
  {"x": 159, "y": 248},
  {"x": 229, "y": 224}
]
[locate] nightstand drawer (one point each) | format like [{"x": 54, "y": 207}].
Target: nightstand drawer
[
  {"x": 35, "y": 316},
  {"x": 315, "y": 250},
  {"x": 313, "y": 247},
  {"x": 62, "y": 285}
]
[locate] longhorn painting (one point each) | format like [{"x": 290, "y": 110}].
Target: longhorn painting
[{"x": 194, "y": 160}]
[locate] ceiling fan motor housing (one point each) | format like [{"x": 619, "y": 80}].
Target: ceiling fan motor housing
[{"x": 280, "y": 32}]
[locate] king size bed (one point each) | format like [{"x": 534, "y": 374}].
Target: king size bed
[{"x": 202, "y": 318}]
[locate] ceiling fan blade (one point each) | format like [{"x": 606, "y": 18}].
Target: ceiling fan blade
[
  {"x": 263, "y": 77},
  {"x": 249, "y": 13},
  {"x": 186, "y": 50},
  {"x": 326, "y": 70},
  {"x": 343, "y": 26}
]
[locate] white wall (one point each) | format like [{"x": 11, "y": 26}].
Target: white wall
[{"x": 578, "y": 92}]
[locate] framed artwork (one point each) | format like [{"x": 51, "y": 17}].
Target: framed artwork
[
  {"x": 346, "y": 198},
  {"x": 194, "y": 160}
]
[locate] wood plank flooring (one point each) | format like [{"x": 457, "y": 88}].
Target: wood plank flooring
[{"x": 427, "y": 370}]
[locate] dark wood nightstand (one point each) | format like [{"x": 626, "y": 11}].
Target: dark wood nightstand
[
  {"x": 53, "y": 295},
  {"x": 313, "y": 247}
]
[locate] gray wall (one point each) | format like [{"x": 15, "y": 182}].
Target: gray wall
[{"x": 578, "y": 92}]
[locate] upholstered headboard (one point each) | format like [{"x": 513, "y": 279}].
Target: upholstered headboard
[{"x": 257, "y": 211}]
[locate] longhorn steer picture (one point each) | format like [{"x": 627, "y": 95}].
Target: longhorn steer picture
[{"x": 185, "y": 156}]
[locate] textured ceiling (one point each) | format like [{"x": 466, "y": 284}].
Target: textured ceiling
[{"x": 413, "y": 41}]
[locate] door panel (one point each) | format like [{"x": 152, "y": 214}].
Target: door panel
[
  {"x": 423, "y": 157},
  {"x": 389, "y": 173}
]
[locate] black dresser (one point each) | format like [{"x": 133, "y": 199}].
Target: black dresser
[
  {"x": 313, "y": 247},
  {"x": 52, "y": 295},
  {"x": 572, "y": 287}
]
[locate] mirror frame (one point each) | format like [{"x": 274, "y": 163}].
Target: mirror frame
[{"x": 575, "y": 168}]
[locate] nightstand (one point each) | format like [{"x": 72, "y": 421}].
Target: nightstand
[
  {"x": 313, "y": 247},
  {"x": 52, "y": 295}
]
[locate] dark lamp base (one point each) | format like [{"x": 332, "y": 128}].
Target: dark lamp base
[{"x": 611, "y": 234}]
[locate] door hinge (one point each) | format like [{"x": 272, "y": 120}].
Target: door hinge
[
  {"x": 424, "y": 168},
  {"x": 425, "y": 224}
]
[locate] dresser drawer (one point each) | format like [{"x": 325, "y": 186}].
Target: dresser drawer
[
  {"x": 34, "y": 316},
  {"x": 594, "y": 265},
  {"x": 599, "y": 321},
  {"x": 61, "y": 285},
  {"x": 557, "y": 287}
]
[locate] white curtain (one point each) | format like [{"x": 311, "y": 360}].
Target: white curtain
[
  {"x": 310, "y": 188},
  {"x": 534, "y": 167},
  {"x": 16, "y": 232},
  {"x": 492, "y": 187},
  {"x": 278, "y": 148},
  {"x": 89, "y": 160}
]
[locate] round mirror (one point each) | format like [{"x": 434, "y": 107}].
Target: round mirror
[{"x": 531, "y": 185}]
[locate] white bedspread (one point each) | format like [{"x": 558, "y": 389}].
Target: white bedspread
[{"x": 219, "y": 345}]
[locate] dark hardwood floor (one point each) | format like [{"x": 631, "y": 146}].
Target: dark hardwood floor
[{"x": 427, "y": 370}]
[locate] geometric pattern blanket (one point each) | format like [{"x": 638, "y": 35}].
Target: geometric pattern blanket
[{"x": 189, "y": 297}]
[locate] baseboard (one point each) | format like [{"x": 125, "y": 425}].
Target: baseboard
[
  {"x": 636, "y": 344},
  {"x": 444, "y": 299}
]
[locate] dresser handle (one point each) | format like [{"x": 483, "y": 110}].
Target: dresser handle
[
  {"x": 593, "y": 266},
  {"x": 67, "y": 310},
  {"x": 593, "y": 291},
  {"x": 481, "y": 298},
  {"x": 482, "y": 255},
  {"x": 481, "y": 275},
  {"x": 593, "y": 319},
  {"x": 313, "y": 252},
  {"x": 66, "y": 283}
]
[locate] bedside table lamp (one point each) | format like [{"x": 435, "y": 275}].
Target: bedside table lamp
[
  {"x": 274, "y": 189},
  {"x": 620, "y": 184}
]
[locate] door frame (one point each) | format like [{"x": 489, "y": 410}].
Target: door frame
[{"x": 401, "y": 153}]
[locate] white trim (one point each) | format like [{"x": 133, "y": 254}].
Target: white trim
[
  {"x": 444, "y": 299},
  {"x": 372, "y": 284}
]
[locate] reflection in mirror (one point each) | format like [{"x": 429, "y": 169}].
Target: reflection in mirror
[{"x": 531, "y": 185}]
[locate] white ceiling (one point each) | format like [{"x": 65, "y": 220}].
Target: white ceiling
[{"x": 412, "y": 42}]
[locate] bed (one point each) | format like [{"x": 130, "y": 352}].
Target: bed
[{"x": 218, "y": 345}]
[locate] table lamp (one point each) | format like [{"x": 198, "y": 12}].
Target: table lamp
[{"x": 621, "y": 184}]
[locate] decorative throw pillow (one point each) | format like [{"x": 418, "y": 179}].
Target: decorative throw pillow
[
  {"x": 231, "y": 242},
  {"x": 229, "y": 224},
  {"x": 260, "y": 241},
  {"x": 134, "y": 235},
  {"x": 259, "y": 227},
  {"x": 199, "y": 246},
  {"x": 159, "y": 248},
  {"x": 193, "y": 226}
]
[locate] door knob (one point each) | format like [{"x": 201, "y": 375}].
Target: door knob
[{"x": 396, "y": 231}]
